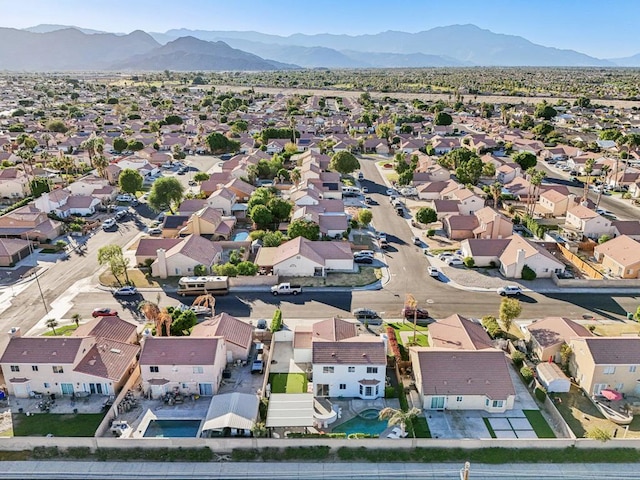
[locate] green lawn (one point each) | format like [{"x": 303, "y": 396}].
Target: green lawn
[
  {"x": 420, "y": 427},
  {"x": 288, "y": 382},
  {"x": 487, "y": 424},
  {"x": 63, "y": 331},
  {"x": 59, "y": 425},
  {"x": 539, "y": 424},
  {"x": 421, "y": 338}
]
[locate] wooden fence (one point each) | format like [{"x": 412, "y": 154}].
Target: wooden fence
[{"x": 588, "y": 270}]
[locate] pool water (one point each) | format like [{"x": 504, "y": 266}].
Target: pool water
[
  {"x": 240, "y": 236},
  {"x": 172, "y": 428},
  {"x": 366, "y": 422}
]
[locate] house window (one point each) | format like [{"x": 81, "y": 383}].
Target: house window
[
  {"x": 632, "y": 369},
  {"x": 497, "y": 404},
  {"x": 343, "y": 386},
  {"x": 15, "y": 368},
  {"x": 198, "y": 370},
  {"x": 372, "y": 369},
  {"x": 58, "y": 369},
  {"x": 619, "y": 387},
  {"x": 34, "y": 368},
  {"x": 458, "y": 399},
  {"x": 154, "y": 369},
  {"x": 609, "y": 370},
  {"x": 352, "y": 369},
  {"x": 361, "y": 389},
  {"x": 47, "y": 385},
  {"x": 327, "y": 369}
]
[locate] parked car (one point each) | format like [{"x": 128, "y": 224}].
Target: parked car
[
  {"x": 364, "y": 313},
  {"x": 368, "y": 199},
  {"x": 416, "y": 240},
  {"x": 433, "y": 271},
  {"x": 104, "y": 312},
  {"x": 364, "y": 190},
  {"x": 108, "y": 223},
  {"x": 257, "y": 366},
  {"x": 155, "y": 231},
  {"x": 182, "y": 170},
  {"x": 363, "y": 259},
  {"x": 509, "y": 291},
  {"x": 444, "y": 256},
  {"x": 408, "y": 312},
  {"x": 360, "y": 176},
  {"x": 120, "y": 214},
  {"x": 125, "y": 197},
  {"x": 364, "y": 253},
  {"x": 381, "y": 236},
  {"x": 391, "y": 191},
  {"x": 193, "y": 183},
  {"x": 262, "y": 324},
  {"x": 126, "y": 291},
  {"x": 286, "y": 288},
  {"x": 454, "y": 261},
  {"x": 400, "y": 211}
]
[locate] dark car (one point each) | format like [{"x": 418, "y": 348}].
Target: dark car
[
  {"x": 420, "y": 313},
  {"x": 104, "y": 312},
  {"x": 365, "y": 313},
  {"x": 363, "y": 259}
]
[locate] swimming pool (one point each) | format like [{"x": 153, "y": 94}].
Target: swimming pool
[
  {"x": 172, "y": 428},
  {"x": 240, "y": 236},
  {"x": 366, "y": 422}
]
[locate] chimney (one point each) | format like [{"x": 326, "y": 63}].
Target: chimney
[
  {"x": 14, "y": 332},
  {"x": 145, "y": 334},
  {"x": 520, "y": 256},
  {"x": 162, "y": 263}
]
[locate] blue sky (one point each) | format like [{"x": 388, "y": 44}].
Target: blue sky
[{"x": 600, "y": 28}]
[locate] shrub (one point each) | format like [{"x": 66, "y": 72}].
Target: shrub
[
  {"x": 389, "y": 392},
  {"x": 276, "y": 321},
  {"x": 528, "y": 273},
  {"x": 540, "y": 393},
  {"x": 393, "y": 343},
  {"x": 431, "y": 232},
  {"x": 247, "y": 269},
  {"x": 198, "y": 270},
  {"x": 492, "y": 327},
  {"x": 518, "y": 358},
  {"x": 527, "y": 374},
  {"x": 591, "y": 328},
  {"x": 469, "y": 262}
]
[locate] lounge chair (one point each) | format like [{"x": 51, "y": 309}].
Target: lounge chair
[
  {"x": 399, "y": 432},
  {"x": 392, "y": 435}
]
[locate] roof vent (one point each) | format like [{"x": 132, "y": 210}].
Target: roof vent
[
  {"x": 116, "y": 350},
  {"x": 333, "y": 354},
  {"x": 364, "y": 354}
]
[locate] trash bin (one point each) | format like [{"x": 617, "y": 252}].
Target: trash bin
[{"x": 629, "y": 316}]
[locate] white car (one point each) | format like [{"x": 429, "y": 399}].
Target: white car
[
  {"x": 155, "y": 231},
  {"x": 124, "y": 198},
  {"x": 509, "y": 291},
  {"x": 454, "y": 261},
  {"x": 126, "y": 291},
  {"x": 391, "y": 191},
  {"x": 433, "y": 271},
  {"x": 108, "y": 223}
]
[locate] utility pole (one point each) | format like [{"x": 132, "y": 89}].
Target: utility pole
[
  {"x": 411, "y": 302},
  {"x": 464, "y": 472}
]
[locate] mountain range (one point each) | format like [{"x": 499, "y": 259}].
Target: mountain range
[{"x": 60, "y": 47}]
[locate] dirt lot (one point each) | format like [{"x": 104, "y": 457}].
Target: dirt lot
[{"x": 366, "y": 276}]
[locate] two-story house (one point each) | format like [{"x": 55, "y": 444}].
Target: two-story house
[{"x": 582, "y": 221}]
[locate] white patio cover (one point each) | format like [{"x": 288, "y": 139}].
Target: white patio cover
[
  {"x": 232, "y": 410},
  {"x": 290, "y": 410}
]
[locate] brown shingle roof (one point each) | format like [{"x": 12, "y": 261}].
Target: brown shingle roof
[
  {"x": 108, "y": 359},
  {"x": 179, "y": 351},
  {"x": 458, "y": 332},
  {"x": 112, "y": 328},
  {"x": 460, "y": 372},
  {"x": 233, "y": 330},
  {"x": 614, "y": 350},
  {"x": 334, "y": 330},
  {"x": 349, "y": 353},
  {"x": 54, "y": 350},
  {"x": 148, "y": 247},
  {"x": 554, "y": 330}
]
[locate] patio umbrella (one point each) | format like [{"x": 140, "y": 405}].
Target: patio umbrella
[{"x": 611, "y": 394}]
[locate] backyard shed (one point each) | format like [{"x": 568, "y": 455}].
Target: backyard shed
[
  {"x": 231, "y": 413},
  {"x": 290, "y": 410},
  {"x": 553, "y": 378}
]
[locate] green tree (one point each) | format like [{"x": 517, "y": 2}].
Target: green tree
[
  {"x": 488, "y": 170},
  {"x": 261, "y": 196},
  {"x": 546, "y": 111},
  {"x": 279, "y": 208},
  {"x": 247, "y": 269},
  {"x": 272, "y": 239},
  {"x": 495, "y": 190},
  {"x": 183, "y": 322},
  {"x": 526, "y": 160},
  {"x": 604, "y": 238},
  {"x": 52, "y": 323},
  {"x": 135, "y": 145},
  {"x": 510, "y": 309},
  {"x": 119, "y": 144},
  {"x": 200, "y": 270},
  {"x": 276, "y": 321},
  {"x": 403, "y": 418},
  {"x": 542, "y": 130},
  {"x": 583, "y": 102},
  {"x": 261, "y": 216},
  {"x": 201, "y": 177},
  {"x": 384, "y": 130},
  {"x": 218, "y": 143},
  {"x": 365, "y": 216},
  {"x": 101, "y": 163},
  {"x": 610, "y": 134},
  {"x": 426, "y": 215},
  {"x": 130, "y": 181},
  {"x": 442, "y": 118},
  {"x": 165, "y": 193},
  {"x": 57, "y": 126},
  {"x": 457, "y": 157},
  {"x": 112, "y": 256},
  {"x": 75, "y": 318},
  {"x": 344, "y": 162},
  {"x": 470, "y": 172},
  {"x": 303, "y": 228},
  {"x": 39, "y": 186}
]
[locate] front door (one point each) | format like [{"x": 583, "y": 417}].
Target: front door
[
  {"x": 322, "y": 390},
  {"x": 66, "y": 388},
  {"x": 95, "y": 388}
]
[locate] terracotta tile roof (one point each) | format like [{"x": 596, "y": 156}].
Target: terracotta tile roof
[
  {"x": 179, "y": 351},
  {"x": 487, "y": 247},
  {"x": 461, "y": 372},
  {"x": 349, "y": 353},
  {"x": 623, "y": 250},
  {"x": 197, "y": 248},
  {"x": 112, "y": 328},
  {"x": 53, "y": 350},
  {"x": 612, "y": 350},
  {"x": 458, "y": 332},
  {"x": 11, "y": 246},
  {"x": 108, "y": 359},
  {"x": 555, "y": 330},
  {"x": 149, "y": 246},
  {"x": 333, "y": 329},
  {"x": 627, "y": 227},
  {"x": 233, "y": 330}
]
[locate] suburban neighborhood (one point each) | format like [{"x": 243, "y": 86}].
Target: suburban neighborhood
[{"x": 213, "y": 263}]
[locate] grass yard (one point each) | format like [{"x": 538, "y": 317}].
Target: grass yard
[
  {"x": 404, "y": 338},
  {"x": 487, "y": 424},
  {"x": 288, "y": 383},
  {"x": 617, "y": 328},
  {"x": 420, "y": 427},
  {"x": 63, "y": 331},
  {"x": 539, "y": 424},
  {"x": 582, "y": 415},
  {"x": 59, "y": 425}
]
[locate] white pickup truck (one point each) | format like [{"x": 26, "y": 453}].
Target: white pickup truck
[{"x": 286, "y": 289}]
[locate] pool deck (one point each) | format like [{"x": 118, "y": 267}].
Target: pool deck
[{"x": 352, "y": 407}]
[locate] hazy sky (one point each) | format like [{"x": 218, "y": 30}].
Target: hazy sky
[{"x": 602, "y": 28}]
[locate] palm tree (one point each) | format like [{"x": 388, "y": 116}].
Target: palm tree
[
  {"x": 295, "y": 176},
  {"x": 101, "y": 163},
  {"x": 75, "y": 318},
  {"x": 52, "y": 323},
  {"x": 495, "y": 190},
  {"x": 395, "y": 416},
  {"x": 588, "y": 168},
  {"x": 536, "y": 181},
  {"x": 530, "y": 173},
  {"x": 603, "y": 175}
]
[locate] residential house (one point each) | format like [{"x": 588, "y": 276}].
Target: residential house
[
  {"x": 330, "y": 330},
  {"x": 520, "y": 252},
  {"x": 458, "y": 332},
  {"x": 14, "y": 183},
  {"x": 237, "y": 334},
  {"x": 98, "y": 363},
  {"x": 352, "y": 368},
  {"x": 460, "y": 227},
  {"x": 554, "y": 204},
  {"x": 223, "y": 200},
  {"x": 431, "y": 190},
  {"x": 12, "y": 250},
  {"x": 147, "y": 249},
  {"x": 469, "y": 201},
  {"x": 619, "y": 257},
  {"x": 444, "y": 208},
  {"x": 29, "y": 223},
  {"x": 485, "y": 252},
  {"x": 547, "y": 336},
  {"x": 584, "y": 222},
  {"x": 492, "y": 224},
  {"x": 231, "y": 414},
  {"x": 182, "y": 258},
  {"x": 306, "y": 258},
  {"x": 186, "y": 365},
  {"x": 453, "y": 379},
  {"x": 630, "y": 228},
  {"x": 210, "y": 223},
  {"x": 606, "y": 362},
  {"x": 241, "y": 189}
]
